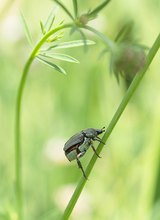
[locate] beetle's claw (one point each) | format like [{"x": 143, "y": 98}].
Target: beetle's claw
[
  {"x": 97, "y": 154},
  {"x": 85, "y": 176}
]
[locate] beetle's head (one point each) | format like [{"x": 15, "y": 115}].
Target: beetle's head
[
  {"x": 100, "y": 131},
  {"x": 92, "y": 132}
]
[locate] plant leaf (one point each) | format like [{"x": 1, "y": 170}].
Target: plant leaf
[
  {"x": 54, "y": 66},
  {"x": 125, "y": 33},
  {"x": 60, "y": 56},
  {"x": 42, "y": 28},
  {"x": 95, "y": 11},
  {"x": 75, "y": 6},
  {"x": 26, "y": 30},
  {"x": 64, "y": 8},
  {"x": 71, "y": 44},
  {"x": 50, "y": 20}
]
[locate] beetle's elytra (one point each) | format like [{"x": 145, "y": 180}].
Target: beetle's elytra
[{"x": 79, "y": 143}]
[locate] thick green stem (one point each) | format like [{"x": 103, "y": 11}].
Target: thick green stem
[
  {"x": 111, "y": 126},
  {"x": 18, "y": 154}
]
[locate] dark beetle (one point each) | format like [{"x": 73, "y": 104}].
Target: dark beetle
[{"x": 79, "y": 143}]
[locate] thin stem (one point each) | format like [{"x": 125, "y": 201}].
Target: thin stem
[
  {"x": 64, "y": 8},
  {"x": 104, "y": 38},
  {"x": 111, "y": 126},
  {"x": 18, "y": 154}
]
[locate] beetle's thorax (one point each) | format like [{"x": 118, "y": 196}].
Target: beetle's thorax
[{"x": 90, "y": 133}]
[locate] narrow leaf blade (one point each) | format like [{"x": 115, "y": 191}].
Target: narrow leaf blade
[
  {"x": 60, "y": 56},
  {"x": 42, "y": 28},
  {"x": 71, "y": 44},
  {"x": 64, "y": 8},
  {"x": 95, "y": 11},
  {"x": 54, "y": 66},
  {"x": 125, "y": 33},
  {"x": 75, "y": 6},
  {"x": 50, "y": 20},
  {"x": 26, "y": 30}
]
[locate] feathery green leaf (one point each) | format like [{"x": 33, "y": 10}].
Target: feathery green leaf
[
  {"x": 64, "y": 8},
  {"x": 75, "y": 6},
  {"x": 95, "y": 11},
  {"x": 26, "y": 30},
  {"x": 42, "y": 28},
  {"x": 60, "y": 56},
  {"x": 50, "y": 20},
  {"x": 54, "y": 66},
  {"x": 71, "y": 44}
]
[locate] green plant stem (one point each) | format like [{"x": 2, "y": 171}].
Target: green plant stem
[
  {"x": 105, "y": 39},
  {"x": 111, "y": 126},
  {"x": 18, "y": 154}
]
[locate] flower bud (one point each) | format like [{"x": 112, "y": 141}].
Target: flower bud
[
  {"x": 128, "y": 60},
  {"x": 84, "y": 19}
]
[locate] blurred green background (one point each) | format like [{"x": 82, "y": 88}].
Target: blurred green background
[{"x": 125, "y": 183}]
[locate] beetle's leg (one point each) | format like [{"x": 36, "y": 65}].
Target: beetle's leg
[
  {"x": 80, "y": 166},
  {"x": 95, "y": 151},
  {"x": 98, "y": 139}
]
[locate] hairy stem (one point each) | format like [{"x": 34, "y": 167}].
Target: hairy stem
[
  {"x": 111, "y": 126},
  {"x": 18, "y": 153}
]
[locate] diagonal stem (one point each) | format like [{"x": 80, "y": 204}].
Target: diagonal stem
[{"x": 111, "y": 126}]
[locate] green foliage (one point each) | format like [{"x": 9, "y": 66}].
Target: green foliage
[
  {"x": 49, "y": 22},
  {"x": 129, "y": 57},
  {"x": 51, "y": 107},
  {"x": 60, "y": 56},
  {"x": 70, "y": 44},
  {"x": 51, "y": 64},
  {"x": 26, "y": 30},
  {"x": 82, "y": 19},
  {"x": 64, "y": 8},
  {"x": 110, "y": 127},
  {"x": 93, "y": 13},
  {"x": 75, "y": 6},
  {"x": 48, "y": 53}
]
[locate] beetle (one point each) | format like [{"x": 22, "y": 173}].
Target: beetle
[{"x": 79, "y": 143}]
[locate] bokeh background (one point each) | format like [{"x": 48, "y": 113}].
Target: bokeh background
[{"x": 125, "y": 183}]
